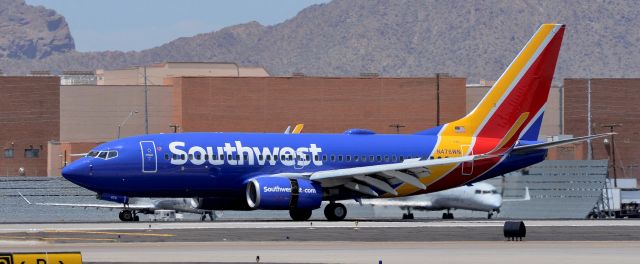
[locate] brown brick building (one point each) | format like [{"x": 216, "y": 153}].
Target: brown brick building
[
  {"x": 29, "y": 119},
  {"x": 613, "y": 101},
  {"x": 323, "y": 104}
]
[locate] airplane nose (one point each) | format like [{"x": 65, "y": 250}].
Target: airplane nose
[
  {"x": 75, "y": 171},
  {"x": 496, "y": 203}
]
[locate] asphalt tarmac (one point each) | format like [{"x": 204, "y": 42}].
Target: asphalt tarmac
[{"x": 331, "y": 242}]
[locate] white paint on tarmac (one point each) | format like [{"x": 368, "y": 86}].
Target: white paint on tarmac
[
  {"x": 351, "y": 252},
  {"x": 5, "y": 228}
]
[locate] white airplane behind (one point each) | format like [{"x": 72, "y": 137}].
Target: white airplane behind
[
  {"x": 136, "y": 206},
  {"x": 477, "y": 197}
]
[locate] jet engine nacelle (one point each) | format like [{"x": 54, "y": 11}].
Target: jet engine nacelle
[
  {"x": 279, "y": 193},
  {"x": 113, "y": 198}
]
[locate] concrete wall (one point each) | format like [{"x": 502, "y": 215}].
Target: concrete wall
[
  {"x": 330, "y": 105},
  {"x": 29, "y": 119},
  {"x": 92, "y": 113},
  {"x": 612, "y": 101}
]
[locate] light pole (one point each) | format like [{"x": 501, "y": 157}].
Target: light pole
[
  {"x": 397, "y": 127},
  {"x": 611, "y": 150},
  {"x": 125, "y": 121}
]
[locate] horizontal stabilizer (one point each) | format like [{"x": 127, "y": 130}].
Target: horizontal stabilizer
[{"x": 555, "y": 143}]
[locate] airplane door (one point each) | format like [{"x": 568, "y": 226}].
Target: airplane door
[
  {"x": 149, "y": 157},
  {"x": 467, "y": 167}
]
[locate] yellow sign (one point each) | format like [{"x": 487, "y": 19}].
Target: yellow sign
[{"x": 41, "y": 258}]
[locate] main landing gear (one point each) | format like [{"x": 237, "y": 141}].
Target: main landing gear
[
  {"x": 335, "y": 211},
  {"x": 408, "y": 215},
  {"x": 204, "y": 216},
  {"x": 300, "y": 214},
  {"x": 128, "y": 216},
  {"x": 447, "y": 215}
]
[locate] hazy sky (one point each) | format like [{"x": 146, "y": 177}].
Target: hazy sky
[{"x": 98, "y": 25}]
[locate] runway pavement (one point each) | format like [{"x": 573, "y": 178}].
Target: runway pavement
[{"x": 586, "y": 241}]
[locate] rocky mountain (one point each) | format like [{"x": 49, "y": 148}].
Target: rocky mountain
[
  {"x": 476, "y": 39},
  {"x": 29, "y": 32}
]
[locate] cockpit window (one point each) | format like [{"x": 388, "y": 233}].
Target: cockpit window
[
  {"x": 478, "y": 191},
  {"x": 105, "y": 154},
  {"x": 112, "y": 154},
  {"x": 494, "y": 191}
]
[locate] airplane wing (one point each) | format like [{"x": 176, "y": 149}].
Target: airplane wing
[
  {"x": 555, "y": 143},
  {"x": 99, "y": 206},
  {"x": 361, "y": 179},
  {"x": 394, "y": 202},
  {"x": 526, "y": 197}
]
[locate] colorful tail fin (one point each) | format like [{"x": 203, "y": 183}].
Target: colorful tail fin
[{"x": 515, "y": 103}]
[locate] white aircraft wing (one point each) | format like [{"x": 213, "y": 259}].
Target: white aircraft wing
[
  {"x": 526, "y": 197},
  {"x": 103, "y": 206},
  {"x": 381, "y": 177},
  {"x": 394, "y": 202}
]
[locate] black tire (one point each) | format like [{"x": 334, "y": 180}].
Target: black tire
[
  {"x": 300, "y": 214},
  {"x": 127, "y": 215},
  {"x": 410, "y": 216},
  {"x": 136, "y": 218},
  {"x": 335, "y": 212},
  {"x": 405, "y": 216},
  {"x": 450, "y": 215},
  {"x": 120, "y": 216},
  {"x": 445, "y": 216}
]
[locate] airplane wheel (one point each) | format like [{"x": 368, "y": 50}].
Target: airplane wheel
[
  {"x": 407, "y": 216},
  {"x": 335, "y": 212},
  {"x": 447, "y": 216},
  {"x": 136, "y": 218},
  {"x": 300, "y": 215},
  {"x": 126, "y": 215},
  {"x": 489, "y": 216},
  {"x": 120, "y": 216},
  {"x": 203, "y": 217}
]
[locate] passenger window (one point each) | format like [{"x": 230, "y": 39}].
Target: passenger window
[
  {"x": 245, "y": 156},
  {"x": 324, "y": 157},
  {"x": 290, "y": 157},
  {"x": 197, "y": 156},
  {"x": 206, "y": 156},
  {"x": 260, "y": 157},
  {"x": 221, "y": 156},
  {"x": 355, "y": 158},
  {"x": 431, "y": 157},
  {"x": 333, "y": 158},
  {"x": 347, "y": 158},
  {"x": 268, "y": 157},
  {"x": 401, "y": 158},
  {"x": 214, "y": 157},
  {"x": 394, "y": 158},
  {"x": 370, "y": 158},
  {"x": 229, "y": 157},
  {"x": 237, "y": 157},
  {"x": 275, "y": 157},
  {"x": 316, "y": 158},
  {"x": 340, "y": 158},
  {"x": 283, "y": 157},
  {"x": 190, "y": 156},
  {"x": 379, "y": 158},
  {"x": 386, "y": 158},
  {"x": 182, "y": 156},
  {"x": 166, "y": 156}
]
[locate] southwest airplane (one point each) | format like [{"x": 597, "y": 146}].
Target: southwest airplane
[{"x": 296, "y": 172}]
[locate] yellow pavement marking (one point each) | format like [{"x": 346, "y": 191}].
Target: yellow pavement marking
[
  {"x": 110, "y": 233},
  {"x": 55, "y": 238}
]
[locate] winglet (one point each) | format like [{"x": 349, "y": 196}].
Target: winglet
[
  {"x": 297, "y": 129},
  {"x": 25, "y": 198}
]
